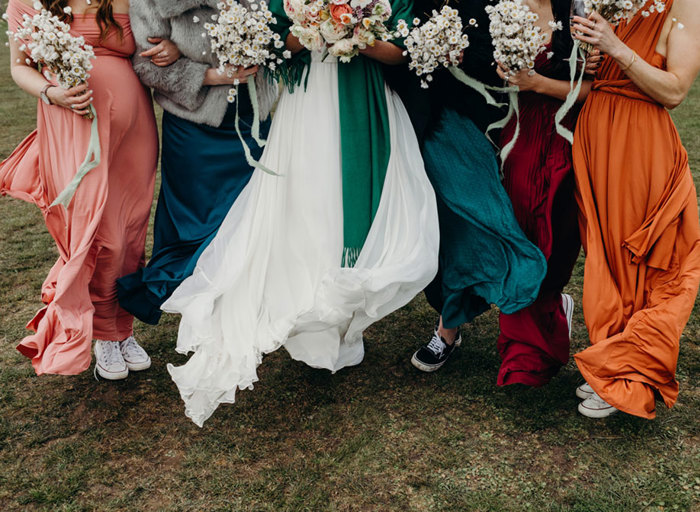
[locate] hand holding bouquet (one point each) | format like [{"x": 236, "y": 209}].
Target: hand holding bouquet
[
  {"x": 439, "y": 42},
  {"x": 241, "y": 37},
  {"x": 48, "y": 42},
  {"x": 343, "y": 26},
  {"x": 517, "y": 40}
]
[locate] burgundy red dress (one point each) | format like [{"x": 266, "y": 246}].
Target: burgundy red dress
[{"x": 539, "y": 178}]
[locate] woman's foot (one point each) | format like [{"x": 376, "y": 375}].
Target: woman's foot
[
  {"x": 432, "y": 356},
  {"x": 584, "y": 391},
  {"x": 596, "y": 407},
  {"x": 109, "y": 362},
  {"x": 134, "y": 355}
]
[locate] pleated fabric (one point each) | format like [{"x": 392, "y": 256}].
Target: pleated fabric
[{"x": 539, "y": 179}]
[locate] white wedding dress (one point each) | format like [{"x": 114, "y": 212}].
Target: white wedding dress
[{"x": 272, "y": 276}]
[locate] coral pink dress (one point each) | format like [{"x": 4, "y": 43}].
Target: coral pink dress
[{"x": 101, "y": 235}]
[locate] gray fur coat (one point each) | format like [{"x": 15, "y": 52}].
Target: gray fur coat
[{"x": 179, "y": 88}]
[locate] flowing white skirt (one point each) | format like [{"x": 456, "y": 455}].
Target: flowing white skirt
[{"x": 272, "y": 276}]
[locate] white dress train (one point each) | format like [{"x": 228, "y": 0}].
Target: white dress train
[{"x": 272, "y": 276}]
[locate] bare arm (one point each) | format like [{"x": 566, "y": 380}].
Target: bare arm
[
  {"x": 28, "y": 78},
  {"x": 385, "y": 52},
  {"x": 670, "y": 86}
]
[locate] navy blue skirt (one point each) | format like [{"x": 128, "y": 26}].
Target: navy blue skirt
[{"x": 203, "y": 170}]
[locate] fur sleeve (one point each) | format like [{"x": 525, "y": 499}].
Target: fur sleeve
[{"x": 182, "y": 82}]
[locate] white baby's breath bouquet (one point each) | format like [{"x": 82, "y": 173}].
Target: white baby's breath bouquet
[
  {"x": 48, "y": 42},
  {"x": 439, "y": 42},
  {"x": 517, "y": 40},
  {"x": 67, "y": 59},
  {"x": 344, "y": 27},
  {"x": 616, "y": 11},
  {"x": 241, "y": 37}
]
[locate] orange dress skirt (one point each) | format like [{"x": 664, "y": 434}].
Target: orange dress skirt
[
  {"x": 640, "y": 230},
  {"x": 101, "y": 235}
]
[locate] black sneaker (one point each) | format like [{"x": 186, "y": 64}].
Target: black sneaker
[{"x": 434, "y": 355}]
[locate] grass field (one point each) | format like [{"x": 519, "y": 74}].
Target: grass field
[{"x": 381, "y": 436}]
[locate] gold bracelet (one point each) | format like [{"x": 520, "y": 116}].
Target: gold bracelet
[{"x": 634, "y": 59}]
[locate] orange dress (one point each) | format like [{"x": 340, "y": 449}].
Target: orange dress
[
  {"x": 639, "y": 225},
  {"x": 101, "y": 235}
]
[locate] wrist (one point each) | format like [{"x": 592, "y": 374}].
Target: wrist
[
  {"x": 621, "y": 53},
  {"x": 536, "y": 84}
]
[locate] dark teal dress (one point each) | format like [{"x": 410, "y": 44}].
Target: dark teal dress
[
  {"x": 485, "y": 258},
  {"x": 203, "y": 170}
]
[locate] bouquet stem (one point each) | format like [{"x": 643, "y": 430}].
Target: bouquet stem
[{"x": 255, "y": 130}]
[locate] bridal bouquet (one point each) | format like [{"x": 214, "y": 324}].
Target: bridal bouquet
[
  {"x": 440, "y": 41},
  {"x": 343, "y": 26},
  {"x": 517, "y": 40},
  {"x": 241, "y": 37},
  {"x": 48, "y": 42}
]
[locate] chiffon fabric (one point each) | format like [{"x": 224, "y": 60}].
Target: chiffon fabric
[
  {"x": 272, "y": 276},
  {"x": 640, "y": 229},
  {"x": 203, "y": 170},
  {"x": 539, "y": 178},
  {"x": 101, "y": 235},
  {"x": 485, "y": 257}
]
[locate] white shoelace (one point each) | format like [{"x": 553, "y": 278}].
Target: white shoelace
[
  {"x": 111, "y": 353},
  {"x": 436, "y": 345},
  {"x": 132, "y": 348}
]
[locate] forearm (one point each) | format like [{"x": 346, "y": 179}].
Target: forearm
[
  {"x": 662, "y": 86},
  {"x": 385, "y": 52},
  {"x": 560, "y": 89},
  {"x": 28, "y": 79},
  {"x": 293, "y": 44}
]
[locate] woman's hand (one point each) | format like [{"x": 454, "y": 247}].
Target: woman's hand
[
  {"x": 596, "y": 31},
  {"x": 593, "y": 62},
  {"x": 525, "y": 80},
  {"x": 77, "y": 99},
  {"x": 229, "y": 76},
  {"x": 164, "y": 53}
]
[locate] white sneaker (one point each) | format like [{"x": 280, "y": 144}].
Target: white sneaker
[
  {"x": 567, "y": 303},
  {"x": 135, "y": 357},
  {"x": 596, "y": 407},
  {"x": 109, "y": 362},
  {"x": 584, "y": 391}
]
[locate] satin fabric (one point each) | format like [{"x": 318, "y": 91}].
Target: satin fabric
[
  {"x": 272, "y": 276},
  {"x": 639, "y": 225},
  {"x": 485, "y": 257},
  {"x": 203, "y": 170},
  {"x": 539, "y": 179},
  {"x": 101, "y": 235}
]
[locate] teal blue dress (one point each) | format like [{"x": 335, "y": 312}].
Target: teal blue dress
[
  {"x": 485, "y": 258},
  {"x": 203, "y": 170}
]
